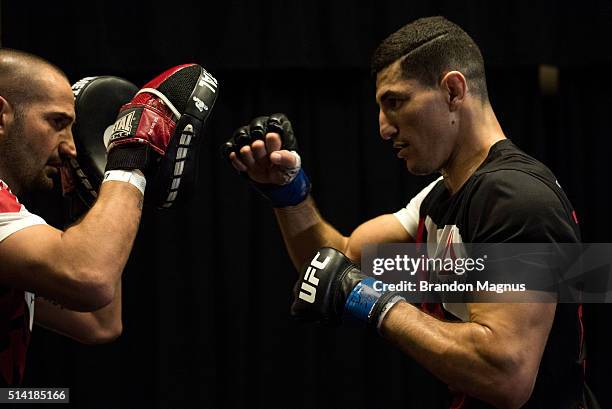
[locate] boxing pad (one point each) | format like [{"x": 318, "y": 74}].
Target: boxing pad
[
  {"x": 97, "y": 102},
  {"x": 160, "y": 130}
]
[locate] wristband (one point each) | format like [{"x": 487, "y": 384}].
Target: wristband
[
  {"x": 134, "y": 177},
  {"x": 362, "y": 298},
  {"x": 386, "y": 308},
  {"x": 367, "y": 304},
  {"x": 291, "y": 194}
]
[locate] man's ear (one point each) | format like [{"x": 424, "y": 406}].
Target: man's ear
[
  {"x": 454, "y": 85},
  {"x": 6, "y": 112}
]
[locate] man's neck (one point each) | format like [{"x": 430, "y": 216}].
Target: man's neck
[{"x": 478, "y": 133}]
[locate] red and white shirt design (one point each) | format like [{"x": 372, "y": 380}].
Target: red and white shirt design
[
  {"x": 438, "y": 240},
  {"x": 16, "y": 306},
  {"x": 13, "y": 215}
]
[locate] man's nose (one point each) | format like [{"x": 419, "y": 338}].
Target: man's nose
[
  {"x": 387, "y": 130},
  {"x": 66, "y": 146}
]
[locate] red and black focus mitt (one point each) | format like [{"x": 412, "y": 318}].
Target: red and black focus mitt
[{"x": 159, "y": 132}]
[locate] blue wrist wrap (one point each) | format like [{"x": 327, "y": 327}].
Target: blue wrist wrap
[
  {"x": 361, "y": 300},
  {"x": 291, "y": 194}
]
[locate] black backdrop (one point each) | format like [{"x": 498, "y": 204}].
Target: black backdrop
[{"x": 207, "y": 289}]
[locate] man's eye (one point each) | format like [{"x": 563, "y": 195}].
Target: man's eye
[
  {"x": 393, "y": 103},
  {"x": 58, "y": 123}
]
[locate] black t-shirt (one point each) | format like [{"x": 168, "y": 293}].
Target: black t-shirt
[{"x": 511, "y": 198}]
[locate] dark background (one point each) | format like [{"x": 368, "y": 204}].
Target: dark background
[{"x": 208, "y": 288}]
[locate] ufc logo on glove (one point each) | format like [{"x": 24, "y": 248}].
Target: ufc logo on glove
[{"x": 308, "y": 289}]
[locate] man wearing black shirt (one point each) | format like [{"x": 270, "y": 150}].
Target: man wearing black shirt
[{"x": 434, "y": 107}]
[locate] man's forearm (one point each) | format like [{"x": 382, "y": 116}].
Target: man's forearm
[
  {"x": 305, "y": 231},
  {"x": 103, "y": 325},
  {"x": 106, "y": 322},
  {"x": 470, "y": 357}
]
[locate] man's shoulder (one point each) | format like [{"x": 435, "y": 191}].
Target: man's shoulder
[
  {"x": 13, "y": 215},
  {"x": 510, "y": 171},
  {"x": 521, "y": 198},
  {"x": 517, "y": 190},
  {"x": 506, "y": 156},
  {"x": 511, "y": 205}
]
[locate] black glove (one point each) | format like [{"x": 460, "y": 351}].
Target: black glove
[
  {"x": 283, "y": 186},
  {"x": 331, "y": 286}
]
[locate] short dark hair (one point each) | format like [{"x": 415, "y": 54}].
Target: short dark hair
[
  {"x": 430, "y": 47},
  {"x": 18, "y": 79}
]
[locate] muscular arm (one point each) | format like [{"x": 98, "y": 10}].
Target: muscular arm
[
  {"x": 78, "y": 268},
  {"x": 493, "y": 357},
  {"x": 305, "y": 231},
  {"x": 103, "y": 325}
]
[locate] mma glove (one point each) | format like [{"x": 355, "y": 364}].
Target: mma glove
[
  {"x": 295, "y": 185},
  {"x": 332, "y": 287}
]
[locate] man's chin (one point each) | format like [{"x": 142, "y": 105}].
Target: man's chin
[
  {"x": 45, "y": 182},
  {"x": 418, "y": 169}
]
